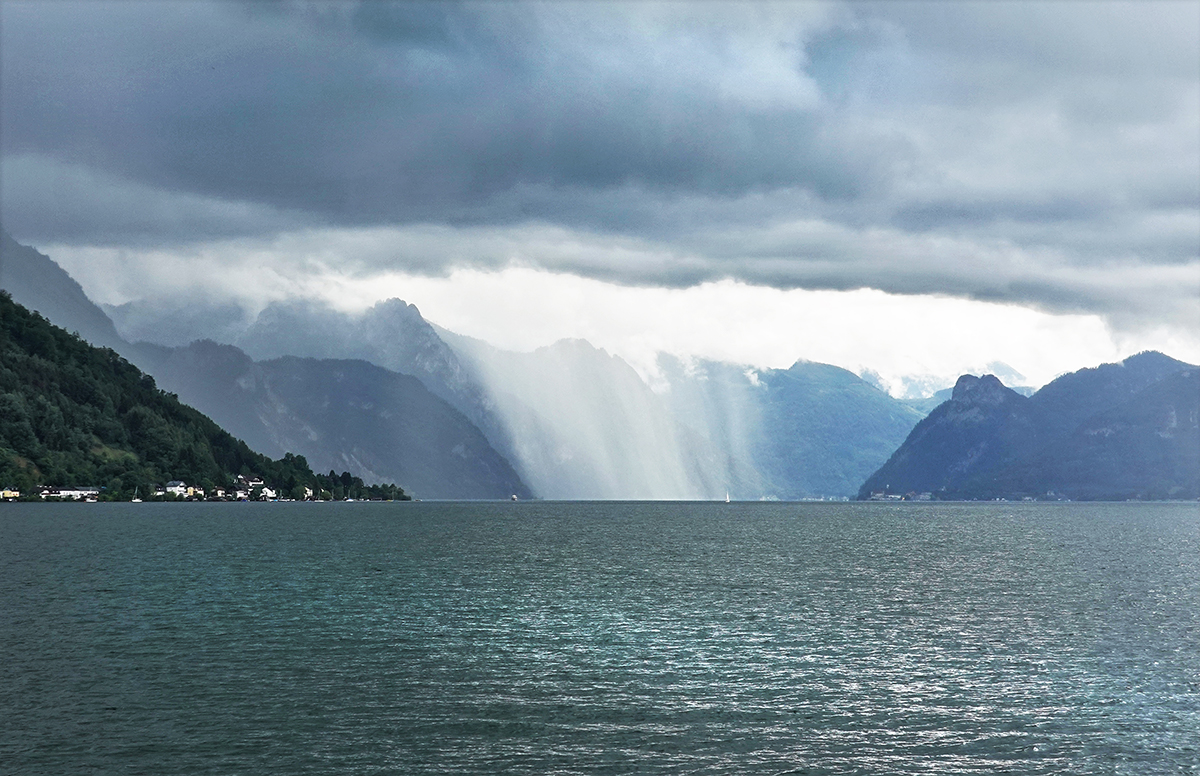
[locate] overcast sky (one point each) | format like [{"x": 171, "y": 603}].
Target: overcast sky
[{"x": 975, "y": 165}]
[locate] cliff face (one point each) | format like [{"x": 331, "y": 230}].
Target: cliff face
[{"x": 1126, "y": 430}]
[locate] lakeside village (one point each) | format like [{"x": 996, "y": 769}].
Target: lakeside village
[{"x": 244, "y": 489}]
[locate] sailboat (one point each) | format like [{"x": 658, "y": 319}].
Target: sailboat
[
  {"x": 135, "y": 498},
  {"x": 726, "y": 497}
]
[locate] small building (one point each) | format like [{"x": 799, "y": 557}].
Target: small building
[
  {"x": 8, "y": 494},
  {"x": 267, "y": 494},
  {"x": 85, "y": 493},
  {"x": 249, "y": 483},
  {"x": 178, "y": 487}
]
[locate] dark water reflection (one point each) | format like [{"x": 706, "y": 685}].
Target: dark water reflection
[{"x": 599, "y": 638}]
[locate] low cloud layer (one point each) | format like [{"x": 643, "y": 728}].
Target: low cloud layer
[{"x": 1041, "y": 154}]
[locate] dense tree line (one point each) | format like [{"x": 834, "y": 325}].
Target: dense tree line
[{"x": 75, "y": 415}]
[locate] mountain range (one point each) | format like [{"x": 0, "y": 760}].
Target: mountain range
[
  {"x": 1129, "y": 430},
  {"x": 577, "y": 422},
  {"x": 384, "y": 394}
]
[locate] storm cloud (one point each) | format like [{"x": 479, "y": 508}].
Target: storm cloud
[{"x": 1043, "y": 154}]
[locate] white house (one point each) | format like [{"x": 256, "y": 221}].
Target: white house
[{"x": 86, "y": 493}]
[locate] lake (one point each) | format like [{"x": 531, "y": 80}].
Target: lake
[{"x": 599, "y": 638}]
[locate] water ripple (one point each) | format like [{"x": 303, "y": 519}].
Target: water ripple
[{"x": 600, "y": 639}]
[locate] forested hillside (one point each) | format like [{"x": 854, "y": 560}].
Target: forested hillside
[{"x": 72, "y": 415}]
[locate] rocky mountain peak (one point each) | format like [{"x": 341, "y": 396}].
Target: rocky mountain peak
[{"x": 980, "y": 390}]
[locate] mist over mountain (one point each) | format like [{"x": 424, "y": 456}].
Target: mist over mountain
[
  {"x": 576, "y": 422},
  {"x": 391, "y": 334},
  {"x": 572, "y": 420},
  {"x": 177, "y": 320},
  {"x": 808, "y": 431},
  {"x": 1117, "y": 431},
  {"x": 37, "y": 283},
  {"x": 386, "y": 395},
  {"x": 342, "y": 415},
  {"x": 585, "y": 425}
]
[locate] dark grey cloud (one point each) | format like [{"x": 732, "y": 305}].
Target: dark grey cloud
[
  {"x": 1065, "y": 137},
  {"x": 370, "y": 113}
]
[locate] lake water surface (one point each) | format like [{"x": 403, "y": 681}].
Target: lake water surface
[{"x": 537, "y": 638}]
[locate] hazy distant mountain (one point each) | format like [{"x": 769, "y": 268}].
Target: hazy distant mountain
[
  {"x": 392, "y": 334},
  {"x": 177, "y": 320},
  {"x": 809, "y": 431},
  {"x": 576, "y": 422},
  {"x": 342, "y": 415},
  {"x": 826, "y": 429},
  {"x": 584, "y": 425},
  {"x": 37, "y": 283},
  {"x": 573, "y": 421},
  {"x": 926, "y": 405},
  {"x": 1127, "y": 430}
]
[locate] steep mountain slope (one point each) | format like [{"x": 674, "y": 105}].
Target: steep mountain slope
[
  {"x": 1122, "y": 430},
  {"x": 342, "y": 415},
  {"x": 37, "y": 283},
  {"x": 1068, "y": 400},
  {"x": 982, "y": 427},
  {"x": 73, "y": 414}
]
